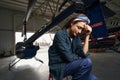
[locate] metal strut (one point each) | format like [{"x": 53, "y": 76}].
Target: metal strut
[{"x": 53, "y": 23}]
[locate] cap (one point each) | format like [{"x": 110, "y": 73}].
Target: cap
[{"x": 82, "y": 18}]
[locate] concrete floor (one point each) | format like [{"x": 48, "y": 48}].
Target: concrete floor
[{"x": 105, "y": 67}]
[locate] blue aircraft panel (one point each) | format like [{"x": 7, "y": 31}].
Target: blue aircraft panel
[{"x": 97, "y": 20}]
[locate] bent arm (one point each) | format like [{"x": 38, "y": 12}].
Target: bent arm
[{"x": 88, "y": 30}]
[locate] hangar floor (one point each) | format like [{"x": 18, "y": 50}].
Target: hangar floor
[{"x": 105, "y": 65}]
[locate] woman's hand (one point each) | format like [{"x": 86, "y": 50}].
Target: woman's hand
[{"x": 88, "y": 30}]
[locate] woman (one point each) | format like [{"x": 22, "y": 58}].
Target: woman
[{"x": 67, "y": 56}]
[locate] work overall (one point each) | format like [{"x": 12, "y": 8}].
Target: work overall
[{"x": 66, "y": 58}]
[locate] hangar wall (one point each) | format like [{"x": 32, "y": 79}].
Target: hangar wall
[{"x": 8, "y": 20}]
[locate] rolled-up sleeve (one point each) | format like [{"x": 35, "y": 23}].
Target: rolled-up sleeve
[{"x": 79, "y": 49}]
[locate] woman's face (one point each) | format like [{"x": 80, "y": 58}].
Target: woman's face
[{"x": 77, "y": 28}]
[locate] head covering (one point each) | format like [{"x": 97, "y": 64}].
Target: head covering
[{"x": 82, "y": 18}]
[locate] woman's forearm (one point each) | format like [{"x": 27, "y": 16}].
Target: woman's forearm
[{"x": 86, "y": 44}]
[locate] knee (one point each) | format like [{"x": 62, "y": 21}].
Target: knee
[{"x": 87, "y": 62}]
